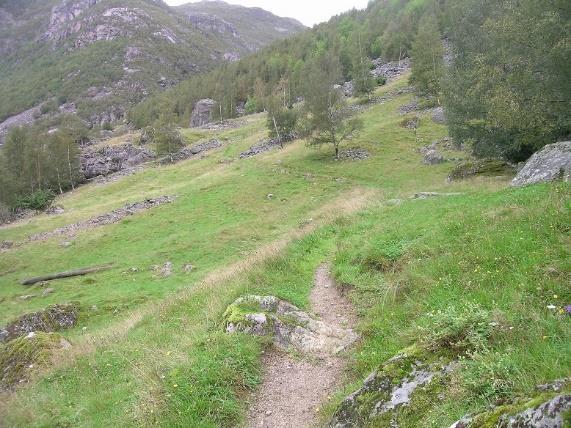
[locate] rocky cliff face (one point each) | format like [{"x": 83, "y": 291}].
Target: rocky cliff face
[{"x": 106, "y": 55}]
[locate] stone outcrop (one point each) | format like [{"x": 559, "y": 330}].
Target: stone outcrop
[
  {"x": 202, "y": 113},
  {"x": 287, "y": 325},
  {"x": 551, "y": 163},
  {"x": 62, "y": 16},
  {"x": 22, "y": 356},
  {"x": 548, "y": 413},
  {"x": 439, "y": 116},
  {"x": 111, "y": 159},
  {"x": 53, "y": 318},
  {"x": 390, "y": 70},
  {"x": 25, "y": 118},
  {"x": 211, "y": 23},
  {"x": 104, "y": 219},
  {"x": 433, "y": 157},
  {"x": 387, "y": 390}
]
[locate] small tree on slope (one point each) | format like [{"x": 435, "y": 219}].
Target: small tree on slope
[{"x": 328, "y": 119}]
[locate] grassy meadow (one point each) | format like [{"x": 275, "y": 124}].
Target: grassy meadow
[{"x": 150, "y": 350}]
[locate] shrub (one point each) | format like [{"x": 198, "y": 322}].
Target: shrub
[
  {"x": 251, "y": 106},
  {"x": 166, "y": 138},
  {"x": 107, "y": 126},
  {"x": 39, "y": 200},
  {"x": 465, "y": 329},
  {"x": 383, "y": 256},
  {"x": 491, "y": 375}
]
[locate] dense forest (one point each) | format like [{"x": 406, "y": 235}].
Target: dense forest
[{"x": 498, "y": 67}]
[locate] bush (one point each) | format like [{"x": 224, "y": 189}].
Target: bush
[
  {"x": 384, "y": 256},
  {"x": 167, "y": 139},
  {"x": 251, "y": 106},
  {"x": 465, "y": 329},
  {"x": 107, "y": 126},
  {"x": 491, "y": 375},
  {"x": 39, "y": 200}
]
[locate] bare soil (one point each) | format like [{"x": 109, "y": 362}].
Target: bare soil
[{"x": 294, "y": 388}]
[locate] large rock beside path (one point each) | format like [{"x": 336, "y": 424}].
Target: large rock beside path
[
  {"x": 287, "y": 325},
  {"x": 551, "y": 163}
]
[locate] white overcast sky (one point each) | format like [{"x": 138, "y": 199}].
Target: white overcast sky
[{"x": 309, "y": 12}]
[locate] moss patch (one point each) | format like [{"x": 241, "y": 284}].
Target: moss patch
[
  {"x": 483, "y": 167},
  {"x": 20, "y": 357}
]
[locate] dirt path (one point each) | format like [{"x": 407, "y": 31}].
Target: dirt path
[{"x": 294, "y": 389}]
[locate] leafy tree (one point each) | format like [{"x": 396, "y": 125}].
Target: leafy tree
[
  {"x": 508, "y": 89},
  {"x": 166, "y": 138},
  {"x": 328, "y": 119},
  {"x": 281, "y": 121},
  {"x": 363, "y": 82},
  {"x": 428, "y": 60}
]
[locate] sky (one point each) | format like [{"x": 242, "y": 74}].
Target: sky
[{"x": 309, "y": 12}]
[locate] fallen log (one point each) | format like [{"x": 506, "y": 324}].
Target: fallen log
[{"x": 69, "y": 274}]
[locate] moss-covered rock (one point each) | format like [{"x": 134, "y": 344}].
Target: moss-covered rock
[
  {"x": 481, "y": 167},
  {"x": 550, "y": 408},
  {"x": 20, "y": 357},
  {"x": 389, "y": 389},
  {"x": 53, "y": 318},
  {"x": 287, "y": 325}
]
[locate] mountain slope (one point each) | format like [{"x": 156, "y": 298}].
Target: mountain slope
[
  {"x": 254, "y": 25},
  {"x": 98, "y": 56}
]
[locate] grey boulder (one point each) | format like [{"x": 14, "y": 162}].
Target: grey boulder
[{"x": 551, "y": 163}]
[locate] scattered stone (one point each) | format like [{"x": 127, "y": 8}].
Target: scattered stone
[
  {"x": 347, "y": 89},
  {"x": 166, "y": 270},
  {"x": 27, "y": 297},
  {"x": 104, "y": 219},
  {"x": 205, "y": 147},
  {"x": 107, "y": 160},
  {"x": 21, "y": 356},
  {"x": 354, "y": 154},
  {"x": 6, "y": 245},
  {"x": 287, "y": 325},
  {"x": 410, "y": 107},
  {"x": 53, "y": 318},
  {"x": 551, "y": 163},
  {"x": 202, "y": 113},
  {"x": 48, "y": 291},
  {"x": 189, "y": 152},
  {"x": 555, "y": 386},
  {"x": 433, "y": 157},
  {"x": 187, "y": 268},
  {"x": 390, "y": 70},
  {"x": 482, "y": 167},
  {"x": 65, "y": 244},
  {"x": 410, "y": 122},
  {"x": 266, "y": 146},
  {"x": 55, "y": 210},
  {"x": 439, "y": 116},
  {"x": 427, "y": 195},
  {"x": 270, "y": 196}
]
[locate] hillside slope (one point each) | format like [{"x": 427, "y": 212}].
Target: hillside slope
[
  {"x": 149, "y": 346},
  {"x": 96, "y": 57},
  {"x": 257, "y": 27}
]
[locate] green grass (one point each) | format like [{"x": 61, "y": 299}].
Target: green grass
[{"x": 150, "y": 350}]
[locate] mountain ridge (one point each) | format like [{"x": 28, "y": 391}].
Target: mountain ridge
[{"x": 97, "y": 57}]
